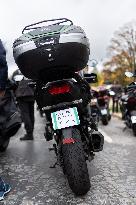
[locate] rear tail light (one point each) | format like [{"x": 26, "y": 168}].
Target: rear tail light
[{"x": 55, "y": 90}]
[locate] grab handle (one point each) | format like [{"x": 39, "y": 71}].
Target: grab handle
[{"x": 60, "y": 21}]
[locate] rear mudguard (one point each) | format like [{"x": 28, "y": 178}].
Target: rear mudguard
[
  {"x": 67, "y": 136},
  {"x": 133, "y": 113}
]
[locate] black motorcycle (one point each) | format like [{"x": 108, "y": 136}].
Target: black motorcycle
[
  {"x": 66, "y": 106},
  {"x": 103, "y": 103},
  {"x": 53, "y": 55},
  {"x": 128, "y": 104},
  {"x": 95, "y": 111}
]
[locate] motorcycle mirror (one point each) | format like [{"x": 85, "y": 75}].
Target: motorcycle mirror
[
  {"x": 91, "y": 77},
  {"x": 129, "y": 74},
  {"x": 92, "y": 63},
  {"x": 18, "y": 78}
]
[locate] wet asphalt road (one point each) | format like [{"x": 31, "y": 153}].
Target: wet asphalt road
[{"x": 25, "y": 165}]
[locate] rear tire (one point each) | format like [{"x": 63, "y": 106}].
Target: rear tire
[
  {"x": 75, "y": 165},
  {"x": 109, "y": 117},
  {"x": 134, "y": 129},
  {"x": 4, "y": 145},
  {"x": 105, "y": 120}
]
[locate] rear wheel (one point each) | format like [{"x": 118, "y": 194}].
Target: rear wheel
[
  {"x": 4, "y": 145},
  {"x": 134, "y": 129},
  {"x": 105, "y": 120},
  {"x": 109, "y": 117},
  {"x": 75, "y": 165}
]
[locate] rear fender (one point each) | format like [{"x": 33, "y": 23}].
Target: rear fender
[
  {"x": 133, "y": 113},
  {"x": 67, "y": 136}
]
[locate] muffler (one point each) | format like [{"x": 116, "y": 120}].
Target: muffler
[{"x": 97, "y": 141}]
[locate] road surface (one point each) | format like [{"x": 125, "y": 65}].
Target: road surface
[{"x": 25, "y": 165}]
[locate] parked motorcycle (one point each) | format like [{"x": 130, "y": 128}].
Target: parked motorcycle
[
  {"x": 52, "y": 55},
  {"x": 95, "y": 112},
  {"x": 66, "y": 106},
  {"x": 103, "y": 103},
  {"x": 128, "y": 104}
]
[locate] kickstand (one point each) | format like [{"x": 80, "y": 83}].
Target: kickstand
[
  {"x": 54, "y": 165},
  {"x": 54, "y": 148},
  {"x": 124, "y": 129}
]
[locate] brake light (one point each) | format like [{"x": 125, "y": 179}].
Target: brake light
[{"x": 55, "y": 90}]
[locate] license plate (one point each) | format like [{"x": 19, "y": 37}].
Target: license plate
[
  {"x": 133, "y": 119},
  {"x": 104, "y": 112},
  {"x": 65, "y": 118}
]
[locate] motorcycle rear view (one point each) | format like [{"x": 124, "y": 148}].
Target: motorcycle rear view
[
  {"x": 128, "y": 104},
  {"x": 52, "y": 55}
]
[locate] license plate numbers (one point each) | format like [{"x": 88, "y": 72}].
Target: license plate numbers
[
  {"x": 65, "y": 118},
  {"x": 133, "y": 119}
]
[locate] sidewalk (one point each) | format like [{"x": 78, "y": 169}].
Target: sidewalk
[{"x": 117, "y": 114}]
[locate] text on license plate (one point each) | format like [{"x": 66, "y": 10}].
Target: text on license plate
[{"x": 65, "y": 118}]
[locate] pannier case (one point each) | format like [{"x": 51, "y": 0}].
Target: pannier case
[{"x": 48, "y": 52}]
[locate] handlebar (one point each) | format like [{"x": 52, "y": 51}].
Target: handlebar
[{"x": 131, "y": 87}]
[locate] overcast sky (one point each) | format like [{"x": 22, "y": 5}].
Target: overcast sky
[{"x": 99, "y": 18}]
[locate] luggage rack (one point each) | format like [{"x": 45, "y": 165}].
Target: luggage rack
[{"x": 60, "y": 21}]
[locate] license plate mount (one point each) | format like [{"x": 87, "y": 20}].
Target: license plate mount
[{"x": 65, "y": 118}]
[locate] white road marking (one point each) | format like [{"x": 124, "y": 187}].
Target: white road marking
[{"x": 106, "y": 137}]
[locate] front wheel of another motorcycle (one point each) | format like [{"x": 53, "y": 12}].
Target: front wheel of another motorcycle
[{"x": 74, "y": 163}]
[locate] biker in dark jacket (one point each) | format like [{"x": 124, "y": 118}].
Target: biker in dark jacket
[
  {"x": 4, "y": 188},
  {"x": 3, "y": 69}
]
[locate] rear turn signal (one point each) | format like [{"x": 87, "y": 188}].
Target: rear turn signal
[{"x": 55, "y": 90}]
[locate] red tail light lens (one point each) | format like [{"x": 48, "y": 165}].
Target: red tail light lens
[{"x": 55, "y": 90}]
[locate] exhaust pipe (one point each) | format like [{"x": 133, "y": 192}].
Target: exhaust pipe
[{"x": 97, "y": 141}]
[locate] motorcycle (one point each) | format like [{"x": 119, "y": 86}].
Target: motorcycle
[
  {"x": 103, "y": 103},
  {"x": 63, "y": 95},
  {"x": 75, "y": 132},
  {"x": 95, "y": 112},
  {"x": 128, "y": 104}
]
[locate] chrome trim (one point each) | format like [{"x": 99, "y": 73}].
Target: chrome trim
[
  {"x": 75, "y": 102},
  {"x": 24, "y": 47}
]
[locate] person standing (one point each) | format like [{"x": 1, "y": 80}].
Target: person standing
[
  {"x": 3, "y": 82},
  {"x": 25, "y": 98},
  {"x": 4, "y": 187},
  {"x": 3, "y": 69}
]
